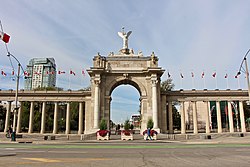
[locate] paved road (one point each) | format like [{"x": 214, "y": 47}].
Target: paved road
[{"x": 125, "y": 154}]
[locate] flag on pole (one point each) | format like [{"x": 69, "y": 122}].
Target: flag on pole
[
  {"x": 202, "y": 75},
  {"x": 13, "y": 72},
  {"x": 3, "y": 73},
  {"x": 61, "y": 72},
  {"x": 83, "y": 72},
  {"x": 192, "y": 74},
  {"x": 4, "y": 37},
  {"x": 50, "y": 72},
  {"x": 72, "y": 72},
  {"x": 26, "y": 73},
  {"x": 169, "y": 75},
  {"x": 214, "y": 74},
  {"x": 37, "y": 73},
  {"x": 181, "y": 75}
]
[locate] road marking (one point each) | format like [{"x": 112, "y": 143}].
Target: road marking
[
  {"x": 42, "y": 159},
  {"x": 68, "y": 152}
]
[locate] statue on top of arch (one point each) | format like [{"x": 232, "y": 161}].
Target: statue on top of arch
[{"x": 124, "y": 36}]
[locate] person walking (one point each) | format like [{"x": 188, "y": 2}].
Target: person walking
[{"x": 148, "y": 134}]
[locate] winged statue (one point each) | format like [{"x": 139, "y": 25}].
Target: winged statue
[{"x": 124, "y": 36}]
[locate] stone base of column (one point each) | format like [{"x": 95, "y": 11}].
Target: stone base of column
[{"x": 91, "y": 131}]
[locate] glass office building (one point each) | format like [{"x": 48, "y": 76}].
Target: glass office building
[{"x": 40, "y": 72}]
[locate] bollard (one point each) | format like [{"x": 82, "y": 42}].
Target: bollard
[{"x": 13, "y": 136}]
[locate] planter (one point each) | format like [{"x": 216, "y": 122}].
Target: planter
[
  {"x": 126, "y": 135},
  {"x": 153, "y": 135},
  {"x": 102, "y": 135}
]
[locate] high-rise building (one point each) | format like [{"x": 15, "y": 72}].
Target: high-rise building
[{"x": 40, "y": 72}]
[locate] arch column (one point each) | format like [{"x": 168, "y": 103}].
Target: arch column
[
  {"x": 218, "y": 112},
  {"x": 183, "y": 120},
  {"x": 31, "y": 117},
  {"x": 55, "y": 127},
  {"x": 170, "y": 117},
  {"x": 80, "y": 123},
  {"x": 230, "y": 117},
  {"x": 97, "y": 104},
  {"x": 154, "y": 103},
  {"x": 207, "y": 117},
  {"x": 242, "y": 117},
  {"x": 67, "y": 131},
  {"x": 195, "y": 122},
  {"x": 7, "y": 118},
  {"x": 43, "y": 118},
  {"x": 19, "y": 118}
]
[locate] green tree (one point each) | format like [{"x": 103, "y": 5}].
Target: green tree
[
  {"x": 126, "y": 125},
  {"x": 150, "y": 123},
  {"x": 167, "y": 85},
  {"x": 103, "y": 125},
  {"x": 2, "y": 117}
]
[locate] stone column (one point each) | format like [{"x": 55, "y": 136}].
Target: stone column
[
  {"x": 164, "y": 114},
  {"x": 67, "y": 131},
  {"x": 7, "y": 118},
  {"x": 242, "y": 117},
  {"x": 154, "y": 104},
  {"x": 55, "y": 127},
  {"x": 207, "y": 117},
  {"x": 230, "y": 117},
  {"x": 195, "y": 122},
  {"x": 19, "y": 119},
  {"x": 43, "y": 118},
  {"x": 97, "y": 104},
  {"x": 219, "y": 125},
  {"x": 183, "y": 120},
  {"x": 170, "y": 117},
  {"x": 80, "y": 125},
  {"x": 31, "y": 117}
]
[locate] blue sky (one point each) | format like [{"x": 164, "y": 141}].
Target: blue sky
[{"x": 187, "y": 36}]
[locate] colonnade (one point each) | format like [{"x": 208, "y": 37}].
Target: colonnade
[
  {"x": 43, "y": 118},
  {"x": 208, "y": 117}
]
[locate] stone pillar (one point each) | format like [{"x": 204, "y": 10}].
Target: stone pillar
[
  {"x": 170, "y": 117},
  {"x": 195, "y": 122},
  {"x": 242, "y": 117},
  {"x": 230, "y": 117},
  {"x": 31, "y": 117},
  {"x": 154, "y": 104},
  {"x": 67, "y": 131},
  {"x": 19, "y": 119},
  {"x": 7, "y": 118},
  {"x": 207, "y": 117},
  {"x": 219, "y": 125},
  {"x": 55, "y": 127},
  {"x": 164, "y": 114},
  {"x": 43, "y": 118},
  {"x": 80, "y": 125},
  {"x": 97, "y": 104},
  {"x": 183, "y": 120}
]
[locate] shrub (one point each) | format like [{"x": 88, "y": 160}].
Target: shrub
[
  {"x": 150, "y": 123},
  {"x": 103, "y": 125}
]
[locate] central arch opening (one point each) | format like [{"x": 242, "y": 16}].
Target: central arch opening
[{"x": 125, "y": 105}]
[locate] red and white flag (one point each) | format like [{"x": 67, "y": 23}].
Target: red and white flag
[
  {"x": 13, "y": 72},
  {"x": 37, "y": 73},
  {"x": 26, "y": 73},
  {"x": 50, "y": 72},
  {"x": 4, "y": 37},
  {"x": 72, "y": 72},
  {"x": 61, "y": 72},
  {"x": 83, "y": 72},
  {"x": 3, "y": 73},
  {"x": 202, "y": 75},
  {"x": 214, "y": 74}
]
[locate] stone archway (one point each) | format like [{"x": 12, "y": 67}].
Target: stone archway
[{"x": 125, "y": 67}]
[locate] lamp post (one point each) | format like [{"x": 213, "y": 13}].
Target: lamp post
[
  {"x": 246, "y": 72},
  {"x": 17, "y": 87}
]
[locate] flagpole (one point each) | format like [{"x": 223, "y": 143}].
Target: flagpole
[
  {"x": 227, "y": 84},
  {"x": 238, "y": 80},
  {"x": 69, "y": 80}
]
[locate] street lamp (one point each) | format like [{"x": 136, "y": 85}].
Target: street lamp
[
  {"x": 17, "y": 87},
  {"x": 246, "y": 72}
]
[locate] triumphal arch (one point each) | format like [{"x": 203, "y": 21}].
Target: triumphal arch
[{"x": 124, "y": 67}]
